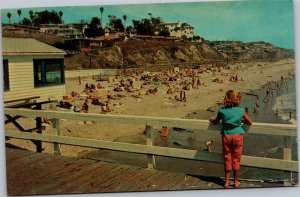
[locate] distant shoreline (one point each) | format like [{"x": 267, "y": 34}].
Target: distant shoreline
[{"x": 205, "y": 114}]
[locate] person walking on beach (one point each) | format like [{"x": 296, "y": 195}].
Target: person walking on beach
[
  {"x": 257, "y": 102},
  {"x": 232, "y": 134}
]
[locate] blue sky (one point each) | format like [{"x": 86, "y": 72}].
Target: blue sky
[{"x": 256, "y": 20}]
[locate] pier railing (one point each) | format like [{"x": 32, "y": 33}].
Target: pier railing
[{"x": 286, "y": 130}]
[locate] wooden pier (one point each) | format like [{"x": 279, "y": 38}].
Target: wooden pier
[{"x": 31, "y": 173}]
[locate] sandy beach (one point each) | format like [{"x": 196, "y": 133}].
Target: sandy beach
[{"x": 254, "y": 75}]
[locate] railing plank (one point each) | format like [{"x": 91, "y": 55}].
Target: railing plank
[
  {"x": 250, "y": 161},
  {"x": 257, "y": 128},
  {"x": 116, "y": 119}
]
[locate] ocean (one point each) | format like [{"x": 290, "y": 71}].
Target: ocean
[{"x": 282, "y": 100}]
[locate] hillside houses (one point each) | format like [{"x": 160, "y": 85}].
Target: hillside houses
[
  {"x": 156, "y": 38},
  {"x": 97, "y": 42},
  {"x": 63, "y": 30},
  {"x": 16, "y": 27},
  {"x": 176, "y": 29},
  {"x": 72, "y": 30}
]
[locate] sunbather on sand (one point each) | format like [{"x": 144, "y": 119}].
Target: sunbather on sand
[
  {"x": 105, "y": 109},
  {"x": 85, "y": 107},
  {"x": 99, "y": 86},
  {"x": 170, "y": 90},
  {"x": 74, "y": 94},
  {"x": 95, "y": 101},
  {"x": 137, "y": 95}
]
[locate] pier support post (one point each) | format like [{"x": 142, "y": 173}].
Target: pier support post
[
  {"x": 38, "y": 121},
  {"x": 55, "y": 125},
  {"x": 287, "y": 155},
  {"x": 150, "y": 142}
]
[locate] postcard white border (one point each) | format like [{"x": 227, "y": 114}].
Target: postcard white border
[{"x": 274, "y": 192}]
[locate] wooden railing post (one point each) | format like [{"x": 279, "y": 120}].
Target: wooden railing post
[
  {"x": 287, "y": 155},
  {"x": 55, "y": 124},
  {"x": 38, "y": 124},
  {"x": 150, "y": 142}
]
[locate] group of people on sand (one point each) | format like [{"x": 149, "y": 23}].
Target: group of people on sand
[
  {"x": 91, "y": 88},
  {"x": 271, "y": 87},
  {"x": 181, "y": 81},
  {"x": 182, "y": 96},
  {"x": 235, "y": 78},
  {"x": 104, "y": 106}
]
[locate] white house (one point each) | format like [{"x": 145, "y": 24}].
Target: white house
[
  {"x": 176, "y": 29},
  {"x": 32, "y": 68},
  {"x": 63, "y": 30},
  {"x": 187, "y": 30}
]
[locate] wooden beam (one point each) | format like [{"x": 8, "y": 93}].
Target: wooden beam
[
  {"x": 23, "y": 99},
  {"x": 10, "y": 119},
  {"x": 38, "y": 123},
  {"x": 257, "y": 128},
  {"x": 250, "y": 161},
  {"x": 27, "y": 104},
  {"x": 117, "y": 119}
]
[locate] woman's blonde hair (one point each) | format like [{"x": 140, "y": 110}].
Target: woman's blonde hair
[{"x": 232, "y": 98}]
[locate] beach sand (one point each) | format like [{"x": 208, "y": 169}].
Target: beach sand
[{"x": 254, "y": 76}]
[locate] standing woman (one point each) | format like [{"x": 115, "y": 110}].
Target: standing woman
[{"x": 232, "y": 132}]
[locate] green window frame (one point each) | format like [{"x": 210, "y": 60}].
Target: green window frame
[{"x": 48, "y": 72}]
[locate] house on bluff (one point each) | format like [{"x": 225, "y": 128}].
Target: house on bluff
[
  {"x": 32, "y": 69},
  {"x": 176, "y": 29}
]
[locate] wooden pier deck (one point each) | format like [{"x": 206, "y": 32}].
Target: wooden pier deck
[{"x": 31, "y": 173}]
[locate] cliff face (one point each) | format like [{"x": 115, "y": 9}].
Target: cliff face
[
  {"x": 138, "y": 53},
  {"x": 135, "y": 53},
  {"x": 240, "y": 51}
]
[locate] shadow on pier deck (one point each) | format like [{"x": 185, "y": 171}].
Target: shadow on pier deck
[{"x": 31, "y": 173}]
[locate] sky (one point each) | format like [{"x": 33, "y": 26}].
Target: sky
[{"x": 247, "y": 21}]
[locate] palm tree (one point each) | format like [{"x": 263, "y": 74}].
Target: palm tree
[
  {"x": 8, "y": 16},
  {"x": 101, "y": 10},
  {"x": 150, "y": 15},
  {"x": 60, "y": 13},
  {"x": 125, "y": 18},
  {"x": 19, "y": 13},
  {"x": 31, "y": 16}
]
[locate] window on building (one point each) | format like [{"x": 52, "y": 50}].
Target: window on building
[
  {"x": 48, "y": 72},
  {"x": 5, "y": 75}
]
